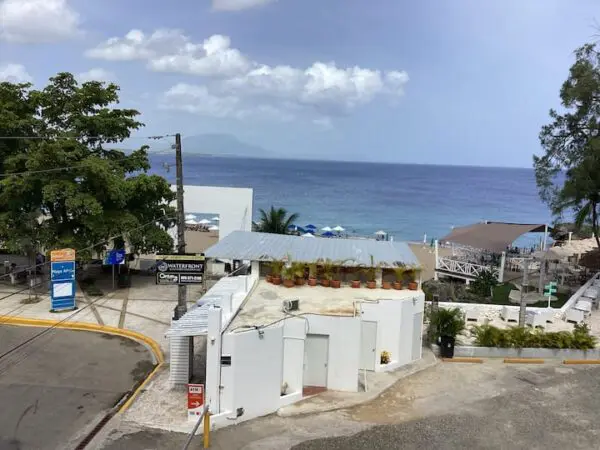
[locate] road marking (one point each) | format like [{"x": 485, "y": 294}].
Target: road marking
[{"x": 123, "y": 312}]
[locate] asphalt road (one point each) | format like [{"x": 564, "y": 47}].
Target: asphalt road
[{"x": 55, "y": 389}]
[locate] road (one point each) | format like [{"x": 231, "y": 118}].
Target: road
[
  {"x": 449, "y": 406},
  {"x": 56, "y": 388}
]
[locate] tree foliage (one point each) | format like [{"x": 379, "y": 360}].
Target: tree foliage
[
  {"x": 276, "y": 220},
  {"x": 68, "y": 187},
  {"x": 572, "y": 144}
]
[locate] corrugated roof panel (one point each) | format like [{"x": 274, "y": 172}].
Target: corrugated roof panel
[{"x": 253, "y": 246}]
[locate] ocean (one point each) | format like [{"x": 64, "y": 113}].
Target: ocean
[{"x": 404, "y": 200}]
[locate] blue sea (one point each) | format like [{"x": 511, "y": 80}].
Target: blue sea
[{"x": 402, "y": 199}]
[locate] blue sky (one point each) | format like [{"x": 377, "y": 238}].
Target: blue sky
[{"x": 435, "y": 81}]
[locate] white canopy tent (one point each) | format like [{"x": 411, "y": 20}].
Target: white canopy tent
[
  {"x": 339, "y": 229},
  {"x": 326, "y": 229},
  {"x": 204, "y": 222}
]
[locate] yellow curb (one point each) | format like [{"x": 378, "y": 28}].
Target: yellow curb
[
  {"x": 135, "y": 393},
  {"x": 463, "y": 360},
  {"x": 158, "y": 354},
  {"x": 581, "y": 361},
  {"x": 523, "y": 361}
]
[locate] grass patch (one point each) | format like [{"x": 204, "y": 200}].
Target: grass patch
[{"x": 502, "y": 291}]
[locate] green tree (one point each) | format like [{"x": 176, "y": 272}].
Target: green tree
[
  {"x": 276, "y": 220},
  {"x": 572, "y": 144},
  {"x": 65, "y": 186}
]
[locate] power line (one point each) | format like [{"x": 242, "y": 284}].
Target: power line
[{"x": 99, "y": 138}]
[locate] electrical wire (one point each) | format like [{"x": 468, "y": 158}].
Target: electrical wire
[{"x": 99, "y": 138}]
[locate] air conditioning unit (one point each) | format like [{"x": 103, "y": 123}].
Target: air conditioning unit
[{"x": 291, "y": 305}]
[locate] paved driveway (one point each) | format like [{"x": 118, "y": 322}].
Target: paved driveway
[{"x": 53, "y": 390}]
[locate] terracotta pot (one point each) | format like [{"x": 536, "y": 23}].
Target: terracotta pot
[
  {"x": 386, "y": 285},
  {"x": 288, "y": 283},
  {"x": 300, "y": 281},
  {"x": 398, "y": 285},
  {"x": 325, "y": 283},
  {"x": 371, "y": 284},
  {"x": 312, "y": 281},
  {"x": 336, "y": 284},
  {"x": 355, "y": 284},
  {"x": 276, "y": 280},
  {"x": 413, "y": 286},
  {"x": 269, "y": 278}
]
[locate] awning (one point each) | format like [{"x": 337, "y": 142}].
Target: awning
[{"x": 493, "y": 236}]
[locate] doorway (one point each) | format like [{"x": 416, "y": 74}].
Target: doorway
[
  {"x": 368, "y": 345},
  {"x": 316, "y": 355}
]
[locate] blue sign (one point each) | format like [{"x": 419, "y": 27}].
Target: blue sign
[
  {"x": 62, "y": 295},
  {"x": 62, "y": 271},
  {"x": 115, "y": 257}
]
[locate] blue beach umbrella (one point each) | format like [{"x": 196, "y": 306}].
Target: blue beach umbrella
[
  {"x": 310, "y": 226},
  {"x": 328, "y": 234}
]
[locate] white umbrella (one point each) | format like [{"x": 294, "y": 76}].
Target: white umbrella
[
  {"x": 191, "y": 222},
  {"x": 339, "y": 228},
  {"x": 190, "y": 217},
  {"x": 326, "y": 229},
  {"x": 380, "y": 233},
  {"x": 215, "y": 219},
  {"x": 213, "y": 228},
  {"x": 308, "y": 235},
  {"x": 204, "y": 222}
]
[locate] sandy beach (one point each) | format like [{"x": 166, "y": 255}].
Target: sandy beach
[
  {"x": 426, "y": 256},
  {"x": 199, "y": 241}
]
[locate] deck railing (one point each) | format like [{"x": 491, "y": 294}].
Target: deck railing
[
  {"x": 517, "y": 264},
  {"x": 464, "y": 268}
]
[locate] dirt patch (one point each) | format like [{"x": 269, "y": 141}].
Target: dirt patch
[{"x": 141, "y": 370}]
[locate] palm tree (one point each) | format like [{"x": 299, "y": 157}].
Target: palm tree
[{"x": 276, "y": 220}]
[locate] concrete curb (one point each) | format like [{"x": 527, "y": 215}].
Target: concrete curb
[
  {"x": 359, "y": 401},
  {"x": 464, "y": 360},
  {"x": 523, "y": 361},
  {"x": 81, "y": 326},
  {"x": 581, "y": 361}
]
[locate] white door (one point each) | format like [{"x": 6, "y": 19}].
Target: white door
[
  {"x": 316, "y": 354},
  {"x": 368, "y": 344},
  {"x": 417, "y": 336}
]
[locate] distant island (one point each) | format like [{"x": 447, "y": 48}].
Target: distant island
[{"x": 215, "y": 144}]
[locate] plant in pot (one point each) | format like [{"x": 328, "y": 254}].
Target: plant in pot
[
  {"x": 312, "y": 274},
  {"x": 412, "y": 272},
  {"x": 336, "y": 281},
  {"x": 399, "y": 273},
  {"x": 385, "y": 284},
  {"x": 269, "y": 276},
  {"x": 327, "y": 268},
  {"x": 371, "y": 273},
  {"x": 288, "y": 276},
  {"x": 276, "y": 267},
  {"x": 385, "y": 357},
  {"x": 298, "y": 269},
  {"x": 446, "y": 325},
  {"x": 356, "y": 277}
]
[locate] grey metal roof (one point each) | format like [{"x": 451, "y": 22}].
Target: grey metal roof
[{"x": 253, "y": 246}]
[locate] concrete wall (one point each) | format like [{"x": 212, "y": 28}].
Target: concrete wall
[
  {"x": 545, "y": 353},
  {"x": 294, "y": 335},
  {"x": 344, "y": 349},
  {"x": 232, "y": 205},
  {"x": 395, "y": 327}
]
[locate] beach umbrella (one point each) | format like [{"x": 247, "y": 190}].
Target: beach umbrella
[
  {"x": 308, "y": 235},
  {"x": 191, "y": 222},
  {"x": 204, "y": 222},
  {"x": 190, "y": 217},
  {"x": 380, "y": 233},
  {"x": 215, "y": 219},
  {"x": 339, "y": 229},
  {"x": 326, "y": 229},
  {"x": 310, "y": 226},
  {"x": 328, "y": 234},
  {"x": 213, "y": 228}
]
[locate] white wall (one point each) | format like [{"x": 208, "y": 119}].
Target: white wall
[
  {"x": 232, "y": 205},
  {"x": 294, "y": 335},
  {"x": 344, "y": 349},
  {"x": 395, "y": 327}
]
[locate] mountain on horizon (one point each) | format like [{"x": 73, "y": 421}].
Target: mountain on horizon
[{"x": 221, "y": 144}]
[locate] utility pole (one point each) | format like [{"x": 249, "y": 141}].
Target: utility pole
[
  {"x": 181, "y": 307},
  {"x": 522, "y": 306}
]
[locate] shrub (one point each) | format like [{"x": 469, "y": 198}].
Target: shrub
[
  {"x": 446, "y": 322},
  {"x": 517, "y": 337},
  {"x": 484, "y": 283}
]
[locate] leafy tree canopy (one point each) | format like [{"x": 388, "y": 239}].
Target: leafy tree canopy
[
  {"x": 276, "y": 220},
  {"x": 69, "y": 188},
  {"x": 572, "y": 144}
]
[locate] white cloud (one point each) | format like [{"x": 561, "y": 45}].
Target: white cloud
[
  {"x": 14, "y": 73},
  {"x": 238, "y": 5},
  {"x": 96, "y": 74},
  {"x": 35, "y": 21},
  {"x": 321, "y": 90}
]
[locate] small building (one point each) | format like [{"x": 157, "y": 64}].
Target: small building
[{"x": 269, "y": 346}]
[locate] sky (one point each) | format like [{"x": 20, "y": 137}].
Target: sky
[{"x": 465, "y": 82}]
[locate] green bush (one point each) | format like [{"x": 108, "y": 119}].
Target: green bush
[
  {"x": 446, "y": 322},
  {"x": 483, "y": 285},
  {"x": 517, "y": 337}
]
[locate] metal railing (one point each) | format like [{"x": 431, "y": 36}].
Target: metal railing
[
  {"x": 463, "y": 268},
  {"x": 195, "y": 429}
]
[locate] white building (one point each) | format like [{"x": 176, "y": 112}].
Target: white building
[{"x": 260, "y": 357}]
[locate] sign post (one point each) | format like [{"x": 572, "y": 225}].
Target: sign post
[
  {"x": 180, "y": 269},
  {"x": 62, "y": 276},
  {"x": 114, "y": 258},
  {"x": 195, "y": 401},
  {"x": 550, "y": 289}
]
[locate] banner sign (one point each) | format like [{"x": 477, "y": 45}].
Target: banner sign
[
  {"x": 180, "y": 269},
  {"x": 62, "y": 279}
]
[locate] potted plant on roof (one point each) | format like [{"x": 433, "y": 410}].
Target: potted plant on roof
[
  {"x": 276, "y": 266},
  {"x": 288, "y": 276},
  {"x": 327, "y": 268},
  {"x": 336, "y": 281},
  {"x": 312, "y": 274},
  {"x": 412, "y": 272},
  {"x": 356, "y": 277},
  {"x": 371, "y": 273},
  {"x": 385, "y": 284},
  {"x": 399, "y": 272},
  {"x": 298, "y": 269}
]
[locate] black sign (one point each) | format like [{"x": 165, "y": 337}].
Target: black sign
[{"x": 180, "y": 269}]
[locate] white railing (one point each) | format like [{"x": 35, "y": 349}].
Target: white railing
[
  {"x": 575, "y": 297},
  {"x": 517, "y": 263},
  {"x": 463, "y": 268}
]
